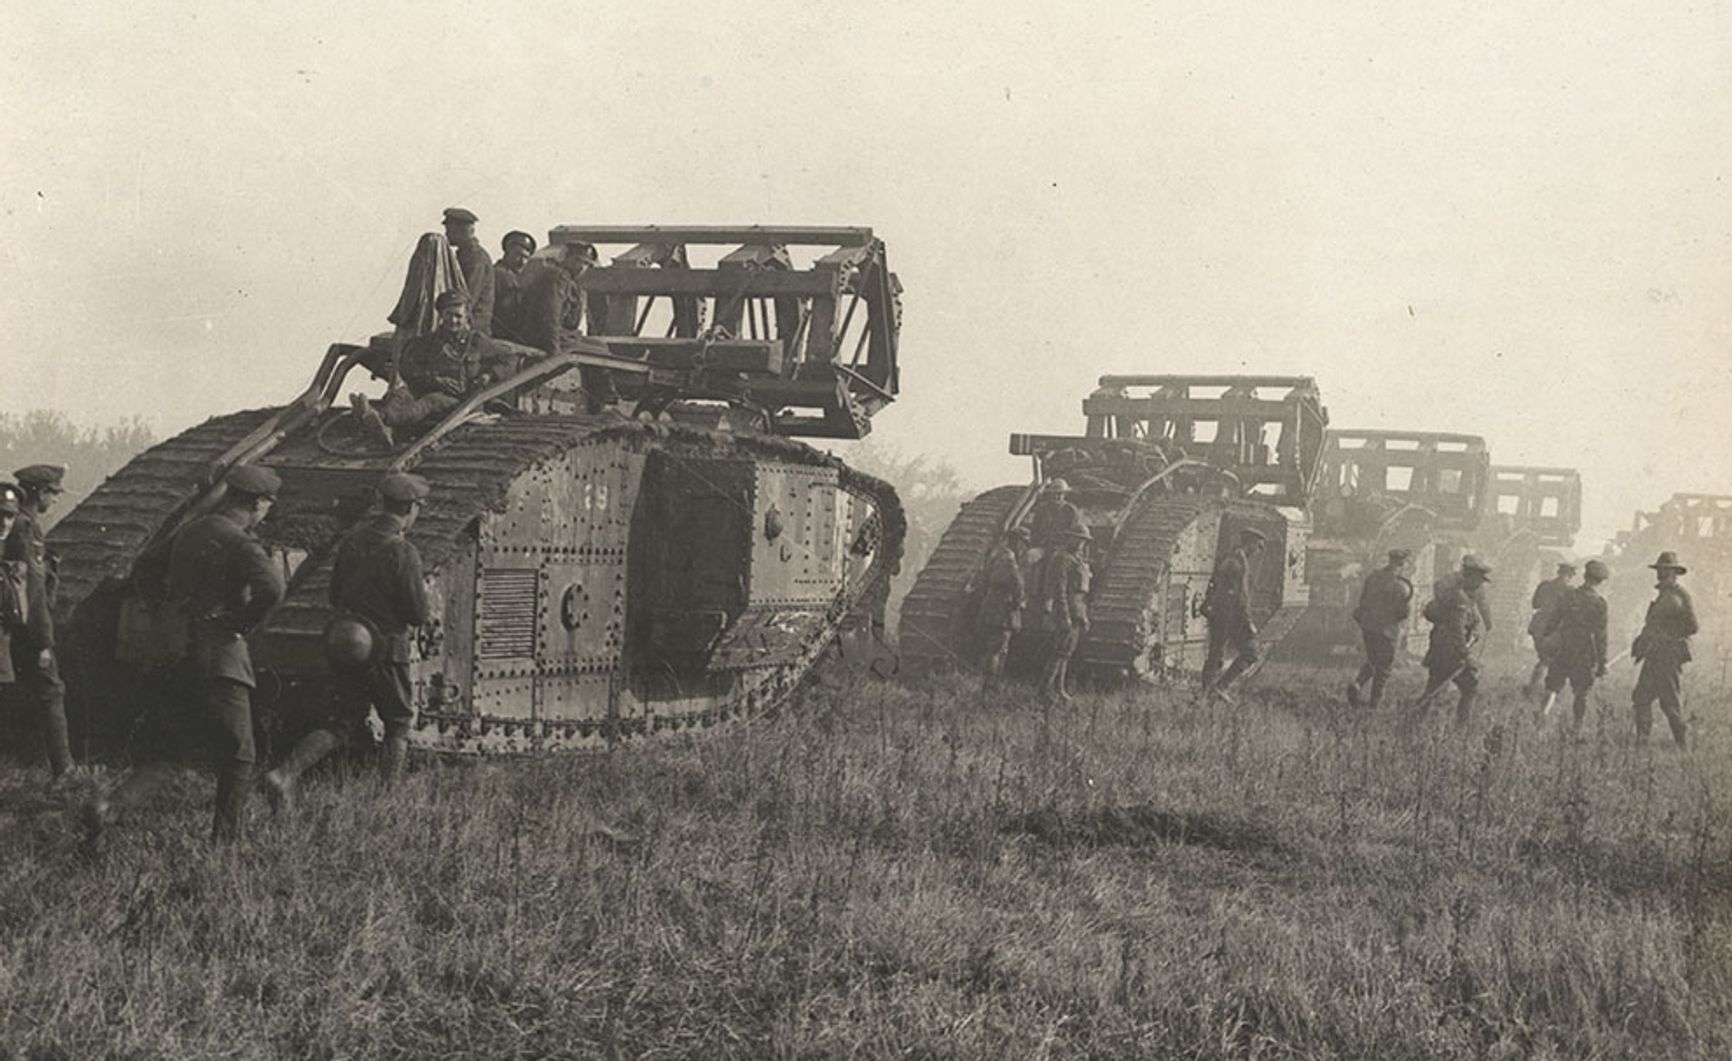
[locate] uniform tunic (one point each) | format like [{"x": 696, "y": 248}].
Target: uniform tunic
[
  {"x": 1548, "y": 596},
  {"x": 377, "y": 577},
  {"x": 1576, "y": 640},
  {"x": 1456, "y": 626},
  {"x": 39, "y": 683},
  {"x": 1003, "y": 592},
  {"x": 1663, "y": 647},
  {"x": 508, "y": 288},
  {"x": 224, "y": 583},
  {"x": 1070, "y": 608},
  {"x": 1050, "y": 521},
  {"x": 477, "y": 268},
  {"x": 440, "y": 369},
  {"x": 1385, "y": 602}
]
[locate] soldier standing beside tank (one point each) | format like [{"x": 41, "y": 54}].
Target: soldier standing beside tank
[
  {"x": 35, "y": 661},
  {"x": 1457, "y": 625},
  {"x": 1575, "y": 640},
  {"x": 1053, "y": 516},
  {"x": 1548, "y": 596},
  {"x": 1068, "y": 588},
  {"x": 1004, "y": 593},
  {"x": 14, "y": 596},
  {"x": 223, "y": 582},
  {"x": 1662, "y": 648},
  {"x": 1227, "y": 607},
  {"x": 1385, "y": 602},
  {"x": 510, "y": 276},
  {"x": 475, "y": 264},
  {"x": 376, "y": 579}
]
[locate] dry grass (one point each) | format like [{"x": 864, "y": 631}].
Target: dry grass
[{"x": 904, "y": 871}]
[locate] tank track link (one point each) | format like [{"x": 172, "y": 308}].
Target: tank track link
[
  {"x": 933, "y": 631},
  {"x": 1126, "y": 609}
]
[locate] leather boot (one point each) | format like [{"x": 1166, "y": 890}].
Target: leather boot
[
  {"x": 1464, "y": 707},
  {"x": 280, "y": 783},
  {"x": 54, "y": 736},
  {"x": 234, "y": 786},
  {"x": 395, "y": 754},
  {"x": 1378, "y": 681}
]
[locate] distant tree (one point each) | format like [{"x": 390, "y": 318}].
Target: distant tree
[
  {"x": 931, "y": 492},
  {"x": 91, "y": 454}
]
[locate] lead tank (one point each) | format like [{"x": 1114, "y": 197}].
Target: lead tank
[
  {"x": 1170, "y": 469},
  {"x": 593, "y": 578}
]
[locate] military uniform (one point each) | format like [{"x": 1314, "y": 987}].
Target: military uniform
[
  {"x": 1227, "y": 607},
  {"x": 33, "y": 657},
  {"x": 439, "y": 370},
  {"x": 1457, "y": 625},
  {"x": 477, "y": 268},
  {"x": 1548, "y": 596},
  {"x": 1663, "y": 647},
  {"x": 376, "y": 579},
  {"x": 1053, "y": 517},
  {"x": 1002, "y": 598},
  {"x": 551, "y": 307},
  {"x": 224, "y": 583},
  {"x": 1068, "y": 607},
  {"x": 509, "y": 283},
  {"x": 1575, "y": 651},
  {"x": 1385, "y": 603},
  {"x": 14, "y": 592}
]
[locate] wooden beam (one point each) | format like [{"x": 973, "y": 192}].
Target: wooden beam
[
  {"x": 625, "y": 280},
  {"x": 787, "y": 235}
]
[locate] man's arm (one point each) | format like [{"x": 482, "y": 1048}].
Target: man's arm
[
  {"x": 1600, "y": 636},
  {"x": 263, "y": 581},
  {"x": 411, "y": 587}
]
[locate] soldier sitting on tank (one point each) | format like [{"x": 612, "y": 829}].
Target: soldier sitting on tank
[
  {"x": 439, "y": 371},
  {"x": 552, "y": 307}
]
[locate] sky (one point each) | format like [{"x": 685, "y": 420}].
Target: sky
[{"x": 1512, "y": 220}]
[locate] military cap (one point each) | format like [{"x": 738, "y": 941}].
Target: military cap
[
  {"x": 40, "y": 476},
  {"x": 1057, "y": 486},
  {"x": 517, "y": 236},
  {"x": 254, "y": 481},
  {"x": 458, "y": 215},
  {"x": 1596, "y": 571},
  {"x": 1400, "y": 556},
  {"x": 9, "y": 504},
  {"x": 1080, "y": 531},
  {"x": 583, "y": 252},
  {"x": 1470, "y": 562},
  {"x": 1566, "y": 568},
  {"x": 401, "y": 486},
  {"x": 447, "y": 299},
  {"x": 1668, "y": 561}
]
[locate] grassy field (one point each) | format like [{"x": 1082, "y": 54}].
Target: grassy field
[{"x": 893, "y": 870}]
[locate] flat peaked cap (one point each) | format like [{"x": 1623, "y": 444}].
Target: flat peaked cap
[
  {"x": 1470, "y": 562},
  {"x": 1597, "y": 571},
  {"x": 9, "y": 505},
  {"x": 1397, "y": 556},
  {"x": 253, "y": 480},
  {"x": 516, "y": 236},
  {"x": 1057, "y": 486},
  {"x": 41, "y": 475},
  {"x": 447, "y": 299},
  {"x": 1566, "y": 568},
  {"x": 459, "y": 214},
  {"x": 401, "y": 486},
  {"x": 1668, "y": 561}
]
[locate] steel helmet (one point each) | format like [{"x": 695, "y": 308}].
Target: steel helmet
[{"x": 349, "y": 642}]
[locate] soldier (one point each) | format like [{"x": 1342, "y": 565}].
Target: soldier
[
  {"x": 475, "y": 264},
  {"x": 14, "y": 578},
  {"x": 552, "y": 305},
  {"x": 509, "y": 279},
  {"x": 1385, "y": 602},
  {"x": 35, "y": 662},
  {"x": 1227, "y": 607},
  {"x": 376, "y": 580},
  {"x": 1053, "y": 516},
  {"x": 1003, "y": 596},
  {"x": 439, "y": 371},
  {"x": 223, "y": 582},
  {"x": 1548, "y": 595},
  {"x": 1068, "y": 592},
  {"x": 1662, "y": 648},
  {"x": 1457, "y": 625},
  {"x": 1575, "y": 640}
]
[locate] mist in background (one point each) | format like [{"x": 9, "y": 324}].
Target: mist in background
[{"x": 1512, "y": 222}]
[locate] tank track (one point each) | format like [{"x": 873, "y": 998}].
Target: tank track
[
  {"x": 102, "y": 538},
  {"x": 933, "y": 632},
  {"x": 1125, "y": 608}
]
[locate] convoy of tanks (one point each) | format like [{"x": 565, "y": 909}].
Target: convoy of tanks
[{"x": 596, "y": 578}]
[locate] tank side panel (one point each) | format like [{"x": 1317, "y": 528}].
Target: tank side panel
[
  {"x": 1185, "y": 633},
  {"x": 798, "y": 557}
]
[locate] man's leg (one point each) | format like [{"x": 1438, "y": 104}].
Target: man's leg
[
  {"x": 41, "y": 688},
  {"x": 1671, "y": 696},
  {"x": 1244, "y": 660},
  {"x": 1580, "y": 683},
  {"x": 1466, "y": 680},
  {"x": 394, "y": 701},
  {"x": 230, "y": 713},
  {"x": 1554, "y": 683},
  {"x": 1642, "y": 699},
  {"x": 1216, "y": 654},
  {"x": 403, "y": 409},
  {"x": 349, "y": 703},
  {"x": 1381, "y": 661}
]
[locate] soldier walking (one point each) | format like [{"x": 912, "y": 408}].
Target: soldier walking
[
  {"x": 34, "y": 659},
  {"x": 1548, "y": 595},
  {"x": 1004, "y": 593},
  {"x": 223, "y": 582},
  {"x": 376, "y": 580},
  {"x": 1457, "y": 625},
  {"x": 1575, "y": 641},
  {"x": 1227, "y": 607},
  {"x": 1662, "y": 648},
  {"x": 1385, "y": 602},
  {"x": 1068, "y": 600}
]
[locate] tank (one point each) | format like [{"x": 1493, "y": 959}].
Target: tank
[
  {"x": 1698, "y": 527},
  {"x": 594, "y": 578},
  {"x": 1169, "y": 470},
  {"x": 1528, "y": 526},
  {"x": 1377, "y": 491}
]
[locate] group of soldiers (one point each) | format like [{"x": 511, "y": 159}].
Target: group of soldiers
[
  {"x": 465, "y": 321},
  {"x": 1037, "y": 575},
  {"x": 1568, "y": 628},
  {"x": 217, "y": 583}
]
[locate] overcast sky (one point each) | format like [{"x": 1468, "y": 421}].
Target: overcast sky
[{"x": 1513, "y": 221}]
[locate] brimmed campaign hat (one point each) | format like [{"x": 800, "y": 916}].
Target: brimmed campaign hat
[
  {"x": 1470, "y": 562},
  {"x": 1668, "y": 561},
  {"x": 1596, "y": 571}
]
